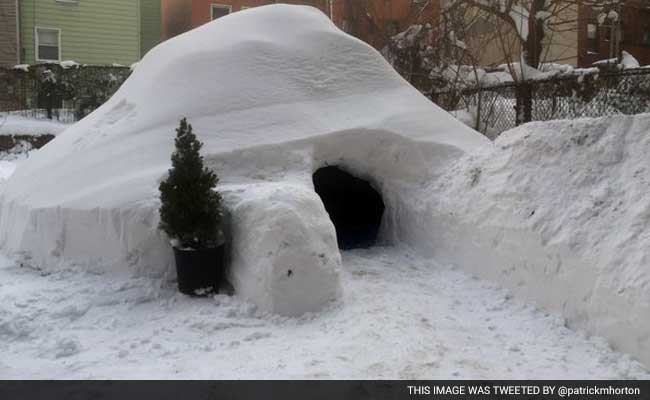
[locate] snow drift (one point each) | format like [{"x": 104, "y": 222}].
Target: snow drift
[
  {"x": 560, "y": 213},
  {"x": 18, "y": 125},
  {"x": 274, "y": 93}
]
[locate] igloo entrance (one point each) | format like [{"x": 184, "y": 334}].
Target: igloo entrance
[{"x": 353, "y": 205}]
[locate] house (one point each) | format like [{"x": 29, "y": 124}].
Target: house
[
  {"x": 604, "y": 33},
  {"x": 180, "y": 16},
  {"x": 491, "y": 42},
  {"x": 373, "y": 21},
  {"x": 86, "y": 31},
  {"x": 9, "y": 32}
]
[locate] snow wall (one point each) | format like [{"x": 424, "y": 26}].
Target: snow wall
[
  {"x": 274, "y": 93},
  {"x": 559, "y": 212}
]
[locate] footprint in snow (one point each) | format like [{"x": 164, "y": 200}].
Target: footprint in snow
[
  {"x": 67, "y": 347},
  {"x": 256, "y": 336}
]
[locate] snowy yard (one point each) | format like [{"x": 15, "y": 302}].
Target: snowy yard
[
  {"x": 401, "y": 317},
  {"x": 526, "y": 257}
]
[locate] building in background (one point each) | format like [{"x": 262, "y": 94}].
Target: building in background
[
  {"x": 9, "y": 32},
  {"x": 95, "y": 32},
  {"x": 180, "y": 16},
  {"x": 373, "y": 21},
  {"x": 150, "y": 25},
  {"x": 493, "y": 42},
  {"x": 376, "y": 21},
  {"x": 605, "y": 33}
]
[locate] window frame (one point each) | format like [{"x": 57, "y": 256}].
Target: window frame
[
  {"x": 645, "y": 36},
  {"x": 592, "y": 44},
  {"x": 37, "y": 55},
  {"x": 221, "y": 6}
]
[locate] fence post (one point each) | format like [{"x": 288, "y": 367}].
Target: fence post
[
  {"x": 49, "y": 105},
  {"x": 524, "y": 102},
  {"x": 479, "y": 105}
]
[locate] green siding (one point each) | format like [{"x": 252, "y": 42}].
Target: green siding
[
  {"x": 92, "y": 31},
  {"x": 149, "y": 25}
]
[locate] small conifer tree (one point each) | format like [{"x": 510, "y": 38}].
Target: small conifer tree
[{"x": 190, "y": 211}]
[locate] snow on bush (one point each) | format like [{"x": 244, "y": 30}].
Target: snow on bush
[{"x": 274, "y": 93}]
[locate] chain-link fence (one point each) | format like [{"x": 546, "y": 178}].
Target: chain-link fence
[
  {"x": 495, "y": 109},
  {"x": 65, "y": 93}
]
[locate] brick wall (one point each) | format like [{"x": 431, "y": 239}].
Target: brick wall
[
  {"x": 176, "y": 17},
  {"x": 635, "y": 22}
]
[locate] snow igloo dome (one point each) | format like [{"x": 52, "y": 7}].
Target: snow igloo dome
[{"x": 276, "y": 93}]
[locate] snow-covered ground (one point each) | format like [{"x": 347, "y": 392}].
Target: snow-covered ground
[
  {"x": 559, "y": 212},
  {"x": 7, "y": 168},
  {"x": 556, "y": 212},
  {"x": 401, "y": 317}
]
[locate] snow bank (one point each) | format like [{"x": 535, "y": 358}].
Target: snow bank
[
  {"x": 274, "y": 93},
  {"x": 18, "y": 125},
  {"x": 7, "y": 168},
  {"x": 559, "y": 213},
  {"x": 628, "y": 61}
]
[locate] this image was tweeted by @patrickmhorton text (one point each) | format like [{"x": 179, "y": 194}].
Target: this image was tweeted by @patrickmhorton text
[{"x": 514, "y": 390}]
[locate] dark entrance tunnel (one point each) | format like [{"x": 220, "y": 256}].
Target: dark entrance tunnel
[{"x": 353, "y": 205}]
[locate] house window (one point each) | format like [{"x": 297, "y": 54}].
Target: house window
[
  {"x": 346, "y": 26},
  {"x": 219, "y": 10},
  {"x": 592, "y": 37},
  {"x": 48, "y": 44}
]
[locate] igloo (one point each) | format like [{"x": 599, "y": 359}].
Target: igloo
[{"x": 275, "y": 93}]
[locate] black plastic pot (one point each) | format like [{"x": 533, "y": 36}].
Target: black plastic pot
[{"x": 199, "y": 272}]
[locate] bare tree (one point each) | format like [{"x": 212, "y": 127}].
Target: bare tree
[
  {"x": 434, "y": 54},
  {"x": 525, "y": 29},
  {"x": 375, "y": 21}
]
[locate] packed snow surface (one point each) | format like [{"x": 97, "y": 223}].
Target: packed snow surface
[
  {"x": 401, "y": 317},
  {"x": 7, "y": 168},
  {"x": 274, "y": 93}
]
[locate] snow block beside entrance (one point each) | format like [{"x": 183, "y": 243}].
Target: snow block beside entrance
[{"x": 284, "y": 253}]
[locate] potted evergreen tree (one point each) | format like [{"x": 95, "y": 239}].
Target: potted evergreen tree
[{"x": 191, "y": 215}]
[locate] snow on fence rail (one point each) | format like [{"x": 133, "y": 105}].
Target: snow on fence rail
[
  {"x": 62, "y": 91},
  {"x": 495, "y": 109}
]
